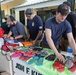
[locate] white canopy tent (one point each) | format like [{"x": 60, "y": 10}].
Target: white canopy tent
[{"x": 38, "y": 4}]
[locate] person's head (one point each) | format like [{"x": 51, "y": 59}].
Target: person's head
[
  {"x": 11, "y": 20},
  {"x": 68, "y": 4},
  {"x": 29, "y": 12},
  {"x": 53, "y": 11},
  {"x": 62, "y": 12},
  {"x": 6, "y": 16}
]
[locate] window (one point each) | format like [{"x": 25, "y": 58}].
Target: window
[{"x": 12, "y": 12}]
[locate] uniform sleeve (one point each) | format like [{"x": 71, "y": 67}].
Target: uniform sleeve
[
  {"x": 40, "y": 23},
  {"x": 48, "y": 24},
  {"x": 21, "y": 29},
  {"x": 68, "y": 27}
]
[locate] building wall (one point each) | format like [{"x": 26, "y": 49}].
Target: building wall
[{"x": 10, "y": 5}]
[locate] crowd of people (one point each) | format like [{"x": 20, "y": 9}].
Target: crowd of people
[{"x": 58, "y": 29}]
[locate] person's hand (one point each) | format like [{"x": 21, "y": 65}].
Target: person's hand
[
  {"x": 5, "y": 36},
  {"x": 60, "y": 57},
  {"x": 34, "y": 42},
  {"x": 11, "y": 38},
  {"x": 28, "y": 39}
]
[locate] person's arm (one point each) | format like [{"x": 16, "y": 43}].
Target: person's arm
[
  {"x": 40, "y": 26},
  {"x": 18, "y": 37},
  {"x": 52, "y": 46},
  {"x": 38, "y": 35},
  {"x": 9, "y": 34},
  {"x": 20, "y": 31},
  {"x": 28, "y": 34},
  {"x": 71, "y": 42},
  {"x": 4, "y": 36}
]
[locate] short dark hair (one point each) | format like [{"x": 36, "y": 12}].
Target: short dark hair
[
  {"x": 53, "y": 11},
  {"x": 67, "y": 3},
  {"x": 63, "y": 9},
  {"x": 29, "y": 11},
  {"x": 5, "y": 18},
  {"x": 12, "y": 18}
]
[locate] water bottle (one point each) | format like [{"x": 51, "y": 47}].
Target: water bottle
[
  {"x": 69, "y": 51},
  {"x": 69, "y": 62}
]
